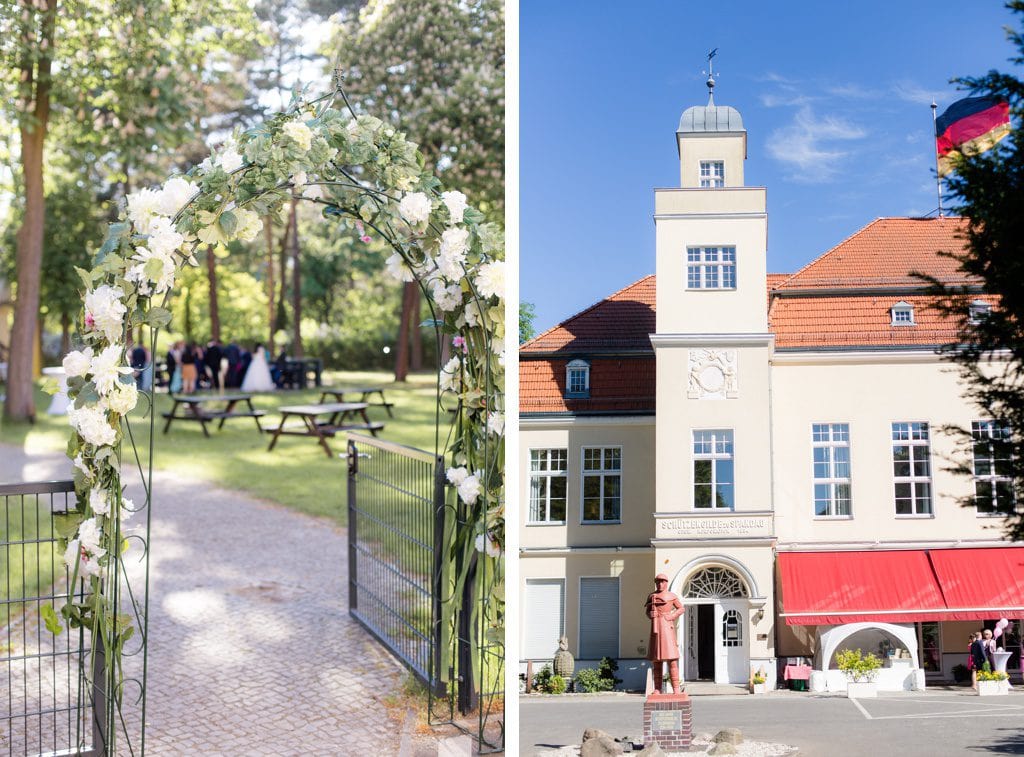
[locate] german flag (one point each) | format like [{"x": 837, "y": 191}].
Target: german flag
[{"x": 968, "y": 127}]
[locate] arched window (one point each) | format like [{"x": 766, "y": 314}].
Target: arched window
[{"x": 715, "y": 582}]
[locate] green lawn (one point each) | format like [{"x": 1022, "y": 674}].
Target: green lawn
[{"x": 296, "y": 474}]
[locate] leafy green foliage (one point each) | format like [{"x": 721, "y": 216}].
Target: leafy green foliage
[
  {"x": 527, "y": 312},
  {"x": 858, "y": 666},
  {"x": 591, "y": 680},
  {"x": 988, "y": 189}
]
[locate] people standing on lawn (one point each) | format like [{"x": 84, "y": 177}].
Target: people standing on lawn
[
  {"x": 212, "y": 360},
  {"x": 191, "y": 359},
  {"x": 257, "y": 375}
]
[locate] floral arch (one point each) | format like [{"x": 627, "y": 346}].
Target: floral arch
[{"x": 365, "y": 175}]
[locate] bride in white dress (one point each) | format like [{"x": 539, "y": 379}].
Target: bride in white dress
[{"x": 257, "y": 376}]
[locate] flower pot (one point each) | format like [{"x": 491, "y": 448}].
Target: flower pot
[
  {"x": 760, "y": 688},
  {"x": 992, "y": 688},
  {"x": 861, "y": 690}
]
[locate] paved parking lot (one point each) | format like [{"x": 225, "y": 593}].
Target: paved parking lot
[{"x": 920, "y": 724}]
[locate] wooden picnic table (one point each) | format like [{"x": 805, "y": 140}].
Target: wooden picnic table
[
  {"x": 365, "y": 394},
  {"x": 323, "y": 420},
  {"x": 193, "y": 409}
]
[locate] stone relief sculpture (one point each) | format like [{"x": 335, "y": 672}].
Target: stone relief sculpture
[{"x": 712, "y": 374}]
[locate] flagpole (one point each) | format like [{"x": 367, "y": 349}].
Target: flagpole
[{"x": 938, "y": 178}]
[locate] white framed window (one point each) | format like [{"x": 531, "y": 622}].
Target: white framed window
[
  {"x": 710, "y": 267},
  {"x": 732, "y": 629},
  {"x": 602, "y": 484},
  {"x": 577, "y": 379},
  {"x": 712, "y": 174},
  {"x": 993, "y": 484},
  {"x": 911, "y": 467},
  {"x": 978, "y": 311},
  {"x": 831, "y": 444},
  {"x": 548, "y": 482},
  {"x": 599, "y": 618},
  {"x": 543, "y": 617},
  {"x": 713, "y": 470},
  {"x": 902, "y": 314}
]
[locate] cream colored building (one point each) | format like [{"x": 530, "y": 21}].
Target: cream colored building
[{"x": 773, "y": 443}]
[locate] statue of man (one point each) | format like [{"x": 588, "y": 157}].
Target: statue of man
[{"x": 663, "y": 607}]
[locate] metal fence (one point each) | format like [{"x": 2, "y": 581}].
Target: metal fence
[
  {"x": 47, "y": 705},
  {"x": 395, "y": 498}
]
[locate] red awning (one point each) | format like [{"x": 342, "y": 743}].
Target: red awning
[
  {"x": 826, "y": 588},
  {"x": 980, "y": 584}
]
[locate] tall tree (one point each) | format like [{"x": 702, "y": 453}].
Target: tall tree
[
  {"x": 988, "y": 189},
  {"x": 436, "y": 70}
]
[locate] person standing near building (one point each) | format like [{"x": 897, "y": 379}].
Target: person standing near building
[
  {"x": 979, "y": 656},
  {"x": 663, "y": 607}
]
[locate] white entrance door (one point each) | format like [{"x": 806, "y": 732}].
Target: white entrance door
[
  {"x": 732, "y": 647},
  {"x": 688, "y": 644}
]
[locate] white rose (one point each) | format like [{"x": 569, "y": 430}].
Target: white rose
[
  {"x": 229, "y": 158},
  {"x": 471, "y": 316},
  {"x": 456, "y": 475},
  {"x": 299, "y": 133},
  {"x": 397, "y": 269},
  {"x": 486, "y": 543},
  {"x": 90, "y": 536},
  {"x": 448, "y": 298},
  {"x": 106, "y": 368},
  {"x": 452, "y": 256},
  {"x": 142, "y": 206},
  {"x": 469, "y": 489},
  {"x": 496, "y": 423},
  {"x": 137, "y": 273},
  {"x": 456, "y": 202},
  {"x": 415, "y": 208},
  {"x": 99, "y": 501},
  {"x": 299, "y": 181},
  {"x": 76, "y": 363},
  {"x": 164, "y": 239},
  {"x": 249, "y": 224},
  {"x": 79, "y": 463},
  {"x": 450, "y": 375},
  {"x": 123, "y": 398},
  {"x": 313, "y": 192},
  {"x": 490, "y": 280},
  {"x": 105, "y": 311},
  {"x": 92, "y": 424},
  {"x": 175, "y": 194}
]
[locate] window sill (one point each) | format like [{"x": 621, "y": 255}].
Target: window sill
[
  {"x": 833, "y": 517},
  {"x": 711, "y": 289},
  {"x": 545, "y": 523},
  {"x": 577, "y": 395},
  {"x": 916, "y": 516},
  {"x": 994, "y": 515},
  {"x": 600, "y": 522}
]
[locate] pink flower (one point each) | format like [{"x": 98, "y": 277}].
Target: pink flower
[
  {"x": 363, "y": 236},
  {"x": 89, "y": 321},
  {"x": 460, "y": 343}
]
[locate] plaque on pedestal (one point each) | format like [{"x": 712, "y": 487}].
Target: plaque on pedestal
[{"x": 667, "y": 721}]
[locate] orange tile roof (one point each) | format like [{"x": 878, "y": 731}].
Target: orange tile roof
[
  {"x": 618, "y": 385},
  {"x": 620, "y": 322},
  {"x": 885, "y": 253}
]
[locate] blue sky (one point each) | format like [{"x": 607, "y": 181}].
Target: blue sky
[{"x": 835, "y": 101}]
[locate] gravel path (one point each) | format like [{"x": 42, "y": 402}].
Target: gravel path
[{"x": 251, "y": 649}]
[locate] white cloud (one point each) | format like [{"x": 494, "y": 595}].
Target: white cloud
[
  {"x": 786, "y": 99},
  {"x": 808, "y": 145},
  {"x": 852, "y": 91},
  {"x": 912, "y": 92}
]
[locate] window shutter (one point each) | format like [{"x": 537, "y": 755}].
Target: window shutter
[
  {"x": 544, "y": 617},
  {"x": 599, "y": 618}
]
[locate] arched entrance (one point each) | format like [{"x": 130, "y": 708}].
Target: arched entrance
[{"x": 715, "y": 643}]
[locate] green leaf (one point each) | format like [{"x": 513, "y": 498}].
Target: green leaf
[
  {"x": 228, "y": 223},
  {"x": 114, "y": 234},
  {"x": 154, "y": 268},
  {"x": 52, "y": 621},
  {"x": 67, "y": 524},
  {"x": 158, "y": 317},
  {"x": 85, "y": 276}
]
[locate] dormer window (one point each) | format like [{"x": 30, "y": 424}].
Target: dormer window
[
  {"x": 979, "y": 311},
  {"x": 712, "y": 174},
  {"x": 577, "y": 379},
  {"x": 903, "y": 314}
]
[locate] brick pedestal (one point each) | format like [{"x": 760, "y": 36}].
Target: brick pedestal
[{"x": 667, "y": 721}]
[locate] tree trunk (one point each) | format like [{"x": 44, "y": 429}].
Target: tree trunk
[
  {"x": 268, "y": 233},
  {"x": 34, "y": 95},
  {"x": 296, "y": 283},
  {"x": 65, "y": 333},
  {"x": 415, "y": 333},
  {"x": 281, "y": 314},
  {"x": 409, "y": 292},
  {"x": 211, "y": 275}
]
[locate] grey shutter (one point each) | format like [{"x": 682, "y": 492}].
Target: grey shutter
[
  {"x": 544, "y": 617},
  {"x": 599, "y": 618}
]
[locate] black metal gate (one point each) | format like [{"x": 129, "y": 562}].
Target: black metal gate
[
  {"x": 48, "y": 706},
  {"x": 395, "y": 532}
]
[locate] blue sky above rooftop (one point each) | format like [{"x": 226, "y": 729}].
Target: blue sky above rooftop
[{"x": 835, "y": 100}]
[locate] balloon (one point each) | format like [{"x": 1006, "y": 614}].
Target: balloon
[
  {"x": 1003, "y": 623},
  {"x": 997, "y": 633}
]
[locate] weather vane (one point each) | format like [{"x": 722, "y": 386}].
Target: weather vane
[{"x": 710, "y": 73}]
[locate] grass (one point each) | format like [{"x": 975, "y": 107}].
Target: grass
[
  {"x": 297, "y": 474},
  {"x": 26, "y": 567}
]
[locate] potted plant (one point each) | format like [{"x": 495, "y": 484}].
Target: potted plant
[
  {"x": 860, "y": 670},
  {"x": 759, "y": 685},
  {"x": 992, "y": 683}
]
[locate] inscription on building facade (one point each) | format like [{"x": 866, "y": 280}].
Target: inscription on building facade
[{"x": 704, "y": 526}]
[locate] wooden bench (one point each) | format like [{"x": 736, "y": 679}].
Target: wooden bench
[
  {"x": 193, "y": 409},
  {"x": 364, "y": 392}
]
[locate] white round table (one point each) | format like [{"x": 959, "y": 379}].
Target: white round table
[{"x": 60, "y": 403}]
